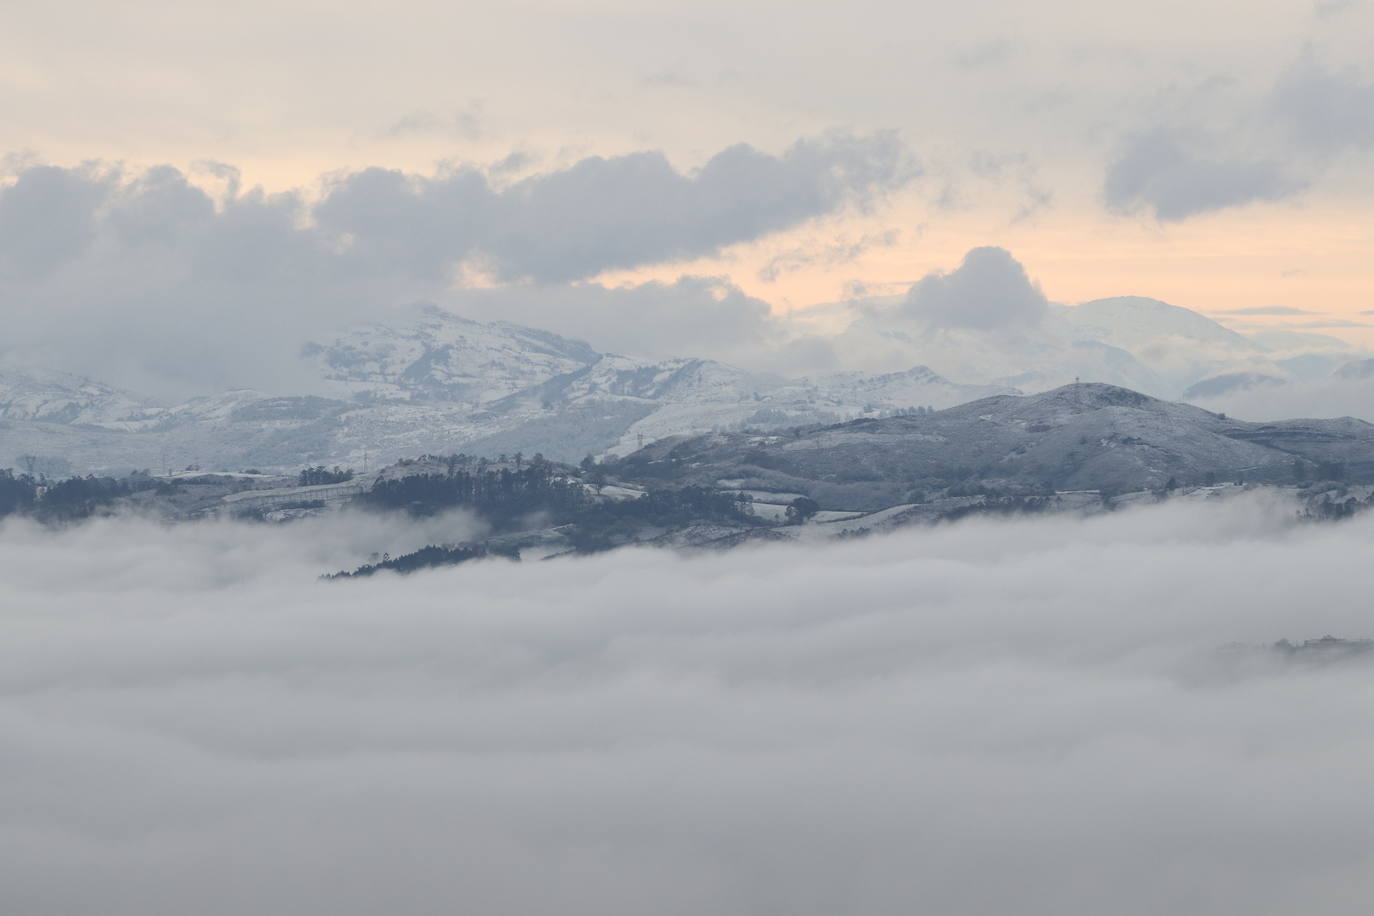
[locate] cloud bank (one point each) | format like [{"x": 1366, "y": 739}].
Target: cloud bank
[
  {"x": 1175, "y": 176},
  {"x": 1027, "y": 717},
  {"x": 611, "y": 213},
  {"x": 1209, "y": 149},
  {"x": 148, "y": 281},
  {"x": 989, "y": 290},
  {"x": 1337, "y": 396}
]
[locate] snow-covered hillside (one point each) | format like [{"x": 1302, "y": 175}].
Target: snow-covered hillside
[
  {"x": 431, "y": 381},
  {"x": 1131, "y": 341},
  {"x": 436, "y": 382},
  {"x": 58, "y": 397},
  {"x": 435, "y": 355}
]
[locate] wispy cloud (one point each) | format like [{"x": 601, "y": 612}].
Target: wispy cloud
[
  {"x": 99, "y": 255},
  {"x": 833, "y": 254},
  {"x": 1265, "y": 310},
  {"x": 465, "y": 123},
  {"x": 1328, "y": 323}
]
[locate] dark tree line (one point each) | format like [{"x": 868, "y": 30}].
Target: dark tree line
[
  {"x": 17, "y": 492},
  {"x": 320, "y": 474},
  {"x": 65, "y": 500},
  {"x": 503, "y": 497},
  {"x": 427, "y": 557},
  {"x": 1335, "y": 510},
  {"x": 509, "y": 498},
  {"x": 607, "y": 524}
]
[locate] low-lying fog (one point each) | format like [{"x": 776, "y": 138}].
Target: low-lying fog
[{"x": 993, "y": 717}]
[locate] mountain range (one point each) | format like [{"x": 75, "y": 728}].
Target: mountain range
[
  {"x": 1086, "y": 447},
  {"x": 434, "y": 383},
  {"x": 1086, "y": 436},
  {"x": 430, "y": 381}
]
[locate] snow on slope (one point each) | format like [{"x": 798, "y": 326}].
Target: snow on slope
[
  {"x": 1131, "y": 341},
  {"x": 1179, "y": 345},
  {"x": 1135, "y": 323},
  {"x": 434, "y": 354},
  {"x": 58, "y": 397},
  {"x": 436, "y": 382}
]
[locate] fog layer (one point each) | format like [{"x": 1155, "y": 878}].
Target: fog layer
[{"x": 1028, "y": 717}]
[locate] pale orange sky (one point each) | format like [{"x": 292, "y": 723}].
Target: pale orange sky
[
  {"x": 1010, "y": 107},
  {"x": 1315, "y": 257}
]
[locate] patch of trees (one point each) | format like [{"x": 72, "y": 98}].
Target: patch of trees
[
  {"x": 1330, "y": 509},
  {"x": 991, "y": 492},
  {"x": 801, "y": 509},
  {"x": 607, "y": 524},
  {"x": 1001, "y": 505},
  {"x": 504, "y": 497},
  {"x": 67, "y": 500},
  {"x": 17, "y": 492},
  {"x": 542, "y": 494},
  {"x": 428, "y": 558},
  {"x": 508, "y": 499},
  {"x": 310, "y": 477}
]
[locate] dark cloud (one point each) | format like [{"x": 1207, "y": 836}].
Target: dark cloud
[
  {"x": 1329, "y": 110},
  {"x": 1176, "y": 175},
  {"x": 423, "y": 226},
  {"x": 48, "y": 218},
  {"x": 693, "y": 316},
  {"x": 613, "y": 213},
  {"x": 146, "y": 281},
  {"x": 989, "y": 290},
  {"x": 1273, "y": 146}
]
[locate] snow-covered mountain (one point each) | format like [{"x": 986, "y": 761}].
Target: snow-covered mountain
[
  {"x": 58, "y": 397},
  {"x": 1138, "y": 324},
  {"x": 1085, "y": 436},
  {"x": 1179, "y": 346},
  {"x": 435, "y": 355},
  {"x": 1131, "y": 341},
  {"x": 430, "y": 381},
  {"x": 434, "y": 382}
]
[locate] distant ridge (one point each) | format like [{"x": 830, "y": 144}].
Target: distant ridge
[
  {"x": 434, "y": 382},
  {"x": 1081, "y": 436}
]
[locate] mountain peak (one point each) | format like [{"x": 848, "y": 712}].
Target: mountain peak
[{"x": 1097, "y": 395}]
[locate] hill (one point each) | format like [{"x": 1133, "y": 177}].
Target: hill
[
  {"x": 1077, "y": 437},
  {"x": 434, "y": 382}
]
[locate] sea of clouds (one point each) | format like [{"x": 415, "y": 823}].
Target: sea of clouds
[{"x": 1036, "y": 717}]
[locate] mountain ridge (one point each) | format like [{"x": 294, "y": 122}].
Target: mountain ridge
[
  {"x": 439, "y": 383},
  {"x": 1082, "y": 436}
]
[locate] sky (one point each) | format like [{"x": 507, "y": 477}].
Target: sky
[
  {"x": 1081, "y": 708},
  {"x": 1047, "y": 716},
  {"x": 1215, "y": 155}
]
